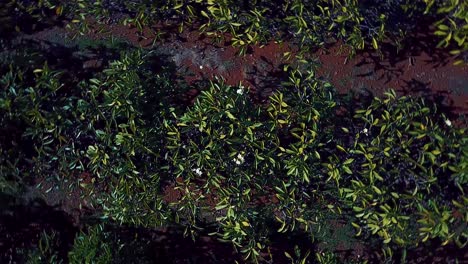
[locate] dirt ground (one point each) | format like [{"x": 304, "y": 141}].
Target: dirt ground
[{"x": 419, "y": 70}]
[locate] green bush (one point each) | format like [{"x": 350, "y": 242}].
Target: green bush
[
  {"x": 396, "y": 168},
  {"x": 358, "y": 24},
  {"x": 404, "y": 174},
  {"x": 59, "y": 129},
  {"x": 226, "y": 153},
  {"x": 452, "y": 28},
  {"x": 46, "y": 249},
  {"x": 91, "y": 247},
  {"x": 26, "y": 16}
]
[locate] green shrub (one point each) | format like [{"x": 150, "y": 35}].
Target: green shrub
[
  {"x": 91, "y": 247},
  {"x": 45, "y": 250},
  {"x": 26, "y": 16},
  {"x": 246, "y": 173},
  {"x": 452, "y": 28},
  {"x": 397, "y": 169},
  {"x": 226, "y": 153},
  {"x": 404, "y": 174},
  {"x": 59, "y": 129},
  {"x": 309, "y": 24}
]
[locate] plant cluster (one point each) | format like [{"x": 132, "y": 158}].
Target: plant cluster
[
  {"x": 27, "y": 16},
  {"x": 358, "y": 24},
  {"x": 452, "y": 27},
  {"x": 57, "y": 128},
  {"x": 229, "y": 151},
  {"x": 402, "y": 155},
  {"x": 394, "y": 168}
]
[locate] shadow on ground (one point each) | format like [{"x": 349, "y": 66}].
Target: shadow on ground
[{"x": 22, "y": 223}]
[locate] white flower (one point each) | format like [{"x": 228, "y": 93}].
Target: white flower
[
  {"x": 239, "y": 159},
  {"x": 197, "y": 171},
  {"x": 240, "y": 91},
  {"x": 365, "y": 131},
  {"x": 448, "y": 123},
  {"x": 201, "y": 67}
]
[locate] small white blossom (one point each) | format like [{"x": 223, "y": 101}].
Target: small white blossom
[
  {"x": 239, "y": 159},
  {"x": 197, "y": 171},
  {"x": 201, "y": 67},
  {"x": 365, "y": 131},
  {"x": 448, "y": 122},
  {"x": 240, "y": 91}
]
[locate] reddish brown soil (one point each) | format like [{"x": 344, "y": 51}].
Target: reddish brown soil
[
  {"x": 74, "y": 201},
  {"x": 199, "y": 57},
  {"x": 418, "y": 74},
  {"x": 419, "y": 70}
]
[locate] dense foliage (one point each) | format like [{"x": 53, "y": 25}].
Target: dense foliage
[
  {"x": 359, "y": 24},
  {"x": 254, "y": 176},
  {"x": 397, "y": 166}
]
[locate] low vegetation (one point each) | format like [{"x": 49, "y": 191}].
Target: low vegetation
[{"x": 393, "y": 169}]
